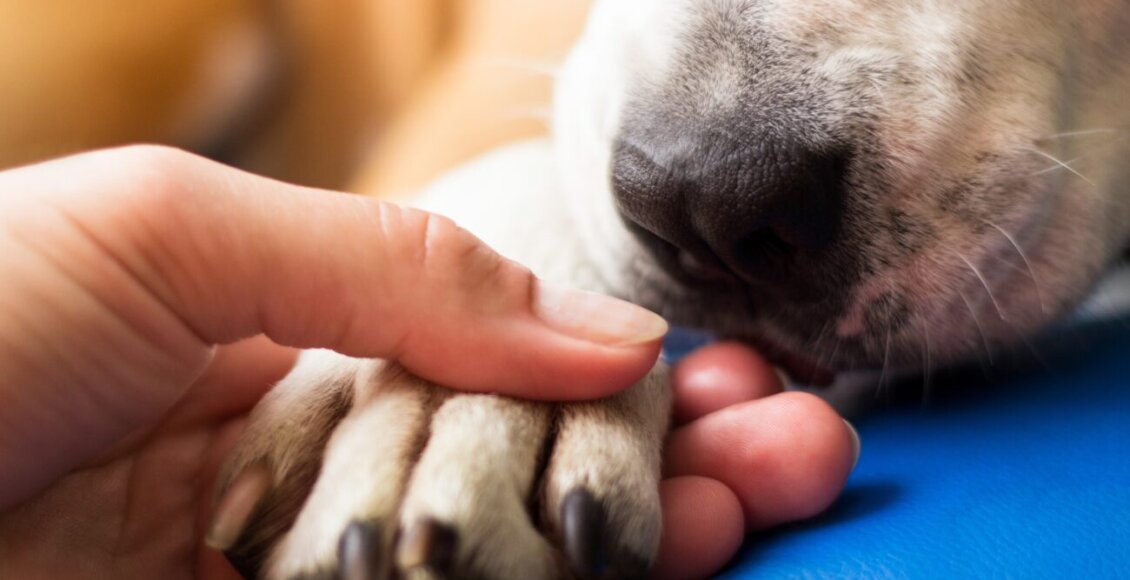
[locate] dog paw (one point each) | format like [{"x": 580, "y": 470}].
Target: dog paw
[{"x": 357, "y": 469}]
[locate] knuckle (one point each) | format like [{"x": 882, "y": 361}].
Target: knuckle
[
  {"x": 444, "y": 243},
  {"x": 461, "y": 271},
  {"x": 157, "y": 159},
  {"x": 450, "y": 253},
  {"x": 155, "y": 177}
]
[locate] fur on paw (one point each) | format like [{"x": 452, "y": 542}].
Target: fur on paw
[{"x": 358, "y": 469}]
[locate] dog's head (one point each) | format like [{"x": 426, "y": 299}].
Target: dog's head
[{"x": 859, "y": 180}]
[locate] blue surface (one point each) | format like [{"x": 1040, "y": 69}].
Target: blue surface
[{"x": 1024, "y": 475}]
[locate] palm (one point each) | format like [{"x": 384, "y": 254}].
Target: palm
[{"x": 141, "y": 510}]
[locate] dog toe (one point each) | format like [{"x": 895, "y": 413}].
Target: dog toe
[
  {"x": 366, "y": 471},
  {"x": 272, "y": 468},
  {"x": 468, "y": 503},
  {"x": 601, "y": 490}
]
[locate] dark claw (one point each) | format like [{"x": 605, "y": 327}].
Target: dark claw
[
  {"x": 359, "y": 552},
  {"x": 246, "y": 566},
  {"x": 583, "y": 533},
  {"x": 427, "y": 545}
]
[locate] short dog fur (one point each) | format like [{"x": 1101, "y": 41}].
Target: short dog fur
[{"x": 865, "y": 183}]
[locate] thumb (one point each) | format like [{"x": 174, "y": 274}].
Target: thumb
[{"x": 176, "y": 254}]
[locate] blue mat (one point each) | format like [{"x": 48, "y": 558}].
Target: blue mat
[{"x": 1000, "y": 473}]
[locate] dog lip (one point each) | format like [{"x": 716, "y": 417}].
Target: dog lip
[
  {"x": 804, "y": 370},
  {"x": 706, "y": 268},
  {"x": 800, "y": 368}
]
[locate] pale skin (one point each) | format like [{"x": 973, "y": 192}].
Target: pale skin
[{"x": 147, "y": 293}]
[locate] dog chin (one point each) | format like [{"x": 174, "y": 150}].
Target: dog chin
[
  {"x": 728, "y": 313},
  {"x": 805, "y": 347}
]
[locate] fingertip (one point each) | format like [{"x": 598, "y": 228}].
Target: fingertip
[
  {"x": 563, "y": 368},
  {"x": 595, "y": 317},
  {"x": 718, "y": 376},
  {"x": 825, "y": 457},
  {"x": 787, "y": 457},
  {"x": 621, "y": 367},
  {"x": 703, "y": 528}
]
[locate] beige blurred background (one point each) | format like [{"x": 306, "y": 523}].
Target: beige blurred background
[{"x": 376, "y": 96}]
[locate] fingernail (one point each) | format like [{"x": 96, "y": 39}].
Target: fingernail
[
  {"x": 856, "y": 445},
  {"x": 237, "y": 505},
  {"x": 596, "y": 317}
]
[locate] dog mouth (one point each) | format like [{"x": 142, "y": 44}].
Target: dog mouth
[
  {"x": 711, "y": 281},
  {"x": 800, "y": 368},
  {"x": 708, "y": 281}
]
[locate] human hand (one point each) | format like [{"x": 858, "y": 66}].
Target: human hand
[
  {"x": 743, "y": 456},
  {"x": 139, "y": 508},
  {"x": 122, "y": 269},
  {"x": 127, "y": 266}
]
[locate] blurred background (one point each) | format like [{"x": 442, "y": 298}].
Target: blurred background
[{"x": 375, "y": 96}]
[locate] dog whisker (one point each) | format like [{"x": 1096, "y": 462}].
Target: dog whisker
[
  {"x": 835, "y": 350},
  {"x": 818, "y": 344},
  {"x": 1078, "y": 133},
  {"x": 1059, "y": 166},
  {"x": 1062, "y": 164},
  {"x": 1027, "y": 264},
  {"x": 927, "y": 369},
  {"x": 985, "y": 283},
  {"x": 884, "y": 386},
  {"x": 1086, "y": 153},
  {"x": 980, "y": 329}
]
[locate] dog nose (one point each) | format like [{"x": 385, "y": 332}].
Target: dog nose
[{"x": 722, "y": 206}]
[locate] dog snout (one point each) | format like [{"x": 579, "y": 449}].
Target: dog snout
[{"x": 720, "y": 205}]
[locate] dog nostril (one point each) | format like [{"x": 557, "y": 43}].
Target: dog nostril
[
  {"x": 647, "y": 194},
  {"x": 708, "y": 268},
  {"x": 764, "y": 250},
  {"x": 706, "y": 204}
]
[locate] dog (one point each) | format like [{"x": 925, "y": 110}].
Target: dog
[{"x": 858, "y": 184}]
